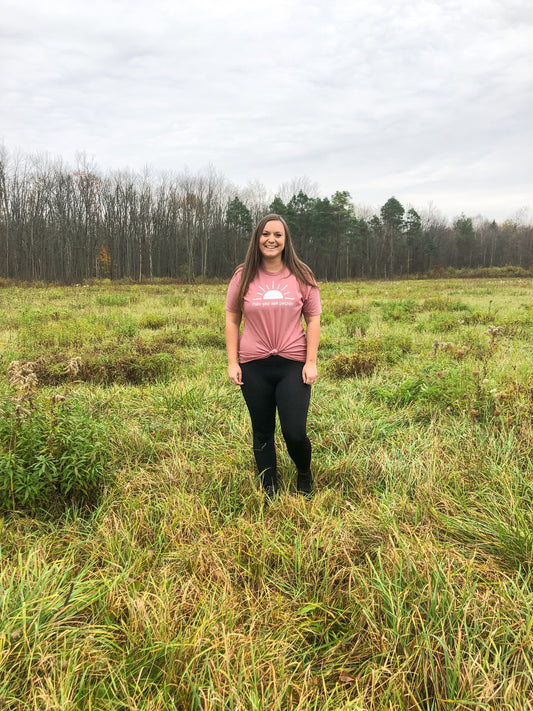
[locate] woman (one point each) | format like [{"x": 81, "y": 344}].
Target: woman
[{"x": 274, "y": 360}]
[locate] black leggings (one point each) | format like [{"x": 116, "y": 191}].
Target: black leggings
[{"x": 277, "y": 382}]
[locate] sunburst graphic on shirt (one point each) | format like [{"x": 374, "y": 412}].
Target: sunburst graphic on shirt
[{"x": 271, "y": 292}]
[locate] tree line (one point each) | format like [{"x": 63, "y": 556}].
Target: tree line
[{"x": 70, "y": 224}]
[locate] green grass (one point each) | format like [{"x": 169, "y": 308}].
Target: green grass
[{"x": 405, "y": 583}]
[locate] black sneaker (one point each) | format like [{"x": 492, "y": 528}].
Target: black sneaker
[
  {"x": 271, "y": 491},
  {"x": 304, "y": 484}
]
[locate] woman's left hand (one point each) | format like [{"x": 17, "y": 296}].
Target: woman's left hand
[{"x": 309, "y": 373}]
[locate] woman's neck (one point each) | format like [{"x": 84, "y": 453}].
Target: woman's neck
[{"x": 272, "y": 266}]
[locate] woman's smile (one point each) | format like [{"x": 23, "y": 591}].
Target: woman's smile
[{"x": 272, "y": 241}]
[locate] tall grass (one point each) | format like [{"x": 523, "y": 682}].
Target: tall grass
[{"x": 405, "y": 583}]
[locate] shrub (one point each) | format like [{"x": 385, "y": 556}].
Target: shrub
[
  {"x": 479, "y": 317},
  {"x": 327, "y": 317},
  {"x": 443, "y": 322},
  {"x": 459, "y": 390},
  {"x": 51, "y": 454},
  {"x": 445, "y": 389},
  {"x": 135, "y": 363},
  {"x": 127, "y": 328},
  {"x": 348, "y": 366},
  {"x": 356, "y": 322},
  {"x": 508, "y": 271},
  {"x": 368, "y": 353},
  {"x": 121, "y": 367},
  {"x": 438, "y": 303},
  {"x": 395, "y": 345},
  {"x": 328, "y": 345},
  {"x": 343, "y": 308},
  {"x": 362, "y": 362},
  {"x": 203, "y": 337},
  {"x": 401, "y": 310},
  {"x": 116, "y": 299},
  {"x": 153, "y": 321}
]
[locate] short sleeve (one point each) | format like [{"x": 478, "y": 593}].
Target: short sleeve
[
  {"x": 233, "y": 291},
  {"x": 311, "y": 301}
]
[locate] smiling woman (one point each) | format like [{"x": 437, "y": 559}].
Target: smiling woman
[
  {"x": 274, "y": 360},
  {"x": 272, "y": 244}
]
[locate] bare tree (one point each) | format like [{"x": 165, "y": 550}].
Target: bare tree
[{"x": 59, "y": 223}]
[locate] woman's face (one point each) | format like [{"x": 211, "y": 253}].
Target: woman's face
[{"x": 272, "y": 241}]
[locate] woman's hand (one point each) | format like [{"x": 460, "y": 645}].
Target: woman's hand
[
  {"x": 309, "y": 373},
  {"x": 233, "y": 322},
  {"x": 235, "y": 374}
]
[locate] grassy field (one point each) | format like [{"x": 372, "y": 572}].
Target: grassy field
[{"x": 405, "y": 583}]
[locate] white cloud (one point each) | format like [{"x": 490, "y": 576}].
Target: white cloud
[{"x": 431, "y": 99}]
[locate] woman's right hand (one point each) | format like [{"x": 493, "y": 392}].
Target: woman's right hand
[
  {"x": 233, "y": 322},
  {"x": 235, "y": 374}
]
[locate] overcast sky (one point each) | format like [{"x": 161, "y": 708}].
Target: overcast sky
[{"x": 429, "y": 101}]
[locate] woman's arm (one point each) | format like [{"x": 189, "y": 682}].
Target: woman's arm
[
  {"x": 233, "y": 323},
  {"x": 309, "y": 372}
]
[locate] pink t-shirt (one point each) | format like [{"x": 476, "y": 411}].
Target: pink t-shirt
[{"x": 272, "y": 309}]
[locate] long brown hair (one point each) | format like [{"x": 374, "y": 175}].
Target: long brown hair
[{"x": 253, "y": 259}]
